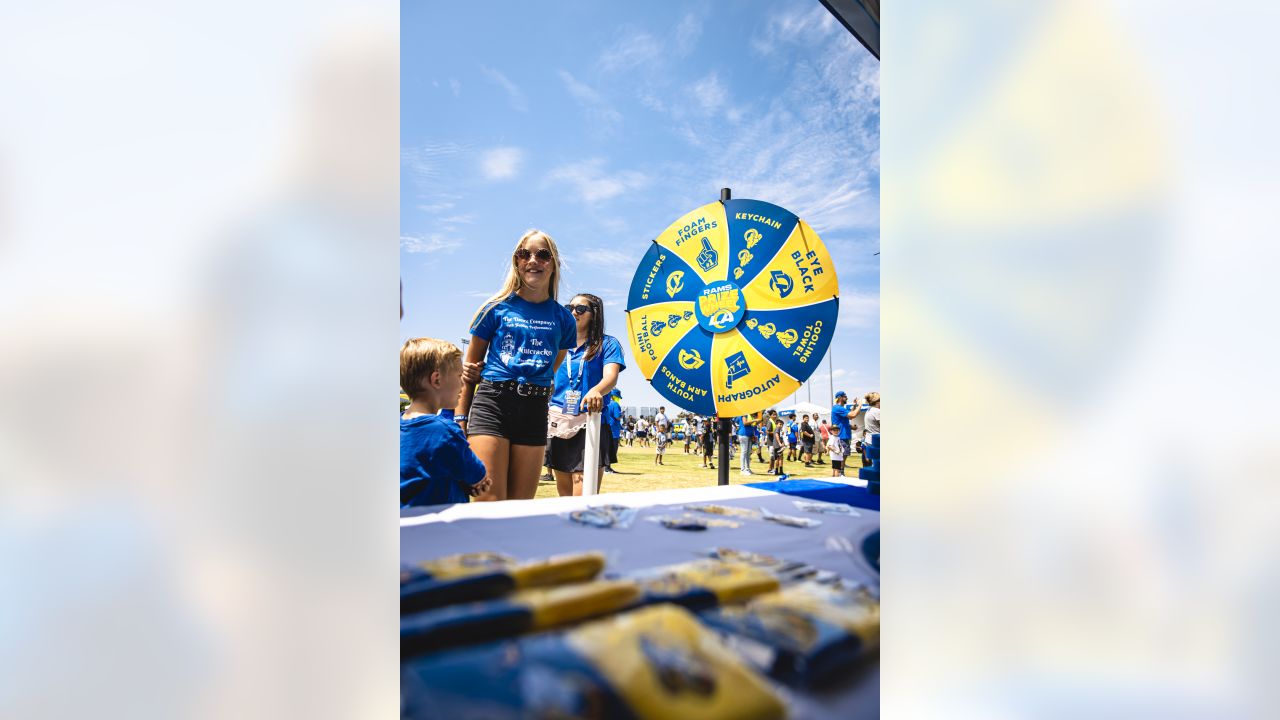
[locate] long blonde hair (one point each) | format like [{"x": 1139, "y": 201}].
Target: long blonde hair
[{"x": 514, "y": 282}]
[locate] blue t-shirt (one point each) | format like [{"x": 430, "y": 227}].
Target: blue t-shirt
[
  {"x": 573, "y": 376},
  {"x": 792, "y": 428},
  {"x": 840, "y": 418},
  {"x": 524, "y": 339},
  {"x": 745, "y": 430},
  {"x": 436, "y": 463},
  {"x": 613, "y": 416}
]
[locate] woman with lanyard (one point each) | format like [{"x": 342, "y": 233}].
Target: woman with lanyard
[
  {"x": 519, "y": 337},
  {"x": 588, "y": 374}
]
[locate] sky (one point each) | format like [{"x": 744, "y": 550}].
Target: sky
[{"x": 602, "y": 123}]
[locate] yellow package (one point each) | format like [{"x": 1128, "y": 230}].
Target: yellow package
[
  {"x": 666, "y": 665},
  {"x": 570, "y": 568},
  {"x": 706, "y": 583},
  {"x": 568, "y": 603},
  {"x": 854, "y": 610}
]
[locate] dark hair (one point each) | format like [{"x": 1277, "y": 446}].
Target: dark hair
[{"x": 595, "y": 330}]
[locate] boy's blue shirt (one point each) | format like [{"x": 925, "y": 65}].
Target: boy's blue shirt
[
  {"x": 745, "y": 430},
  {"x": 613, "y": 415},
  {"x": 585, "y": 379},
  {"x": 436, "y": 463},
  {"x": 524, "y": 339},
  {"x": 840, "y": 418}
]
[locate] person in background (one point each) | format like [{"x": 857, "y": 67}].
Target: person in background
[
  {"x": 660, "y": 421},
  {"x": 661, "y": 439},
  {"x": 746, "y": 433},
  {"x": 519, "y": 338},
  {"x": 437, "y": 465},
  {"x": 588, "y": 374},
  {"x": 642, "y": 431},
  {"x": 872, "y": 421},
  {"x": 840, "y": 421},
  {"x": 708, "y": 441},
  {"x": 613, "y": 415},
  {"x": 836, "y": 447},
  {"x": 806, "y": 441},
  {"x": 793, "y": 437},
  {"x": 774, "y": 440},
  {"x": 690, "y": 432},
  {"x": 821, "y": 441}
]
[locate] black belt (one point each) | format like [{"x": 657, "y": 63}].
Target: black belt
[{"x": 519, "y": 388}]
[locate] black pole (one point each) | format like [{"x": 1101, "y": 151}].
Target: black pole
[{"x": 723, "y": 431}]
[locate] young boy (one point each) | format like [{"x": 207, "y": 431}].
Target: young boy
[
  {"x": 837, "y": 457},
  {"x": 661, "y": 439},
  {"x": 437, "y": 465}
]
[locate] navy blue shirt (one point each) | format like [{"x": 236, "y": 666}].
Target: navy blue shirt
[
  {"x": 436, "y": 463},
  {"x": 524, "y": 339},
  {"x": 575, "y": 374}
]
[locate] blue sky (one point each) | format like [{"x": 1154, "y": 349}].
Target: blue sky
[{"x": 602, "y": 123}]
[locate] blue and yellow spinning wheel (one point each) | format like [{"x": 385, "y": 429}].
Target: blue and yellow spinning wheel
[{"x": 733, "y": 307}]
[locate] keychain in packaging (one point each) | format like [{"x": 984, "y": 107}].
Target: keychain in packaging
[
  {"x": 604, "y": 516},
  {"x": 816, "y": 506},
  {"x": 727, "y": 510},
  {"x": 789, "y": 520}
]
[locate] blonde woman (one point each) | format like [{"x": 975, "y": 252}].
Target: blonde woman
[{"x": 520, "y": 335}]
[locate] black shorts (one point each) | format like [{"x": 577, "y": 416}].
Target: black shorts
[
  {"x": 806, "y": 448},
  {"x": 567, "y": 454},
  {"x": 522, "y": 419}
]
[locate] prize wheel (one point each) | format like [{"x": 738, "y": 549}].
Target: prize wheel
[{"x": 732, "y": 307}]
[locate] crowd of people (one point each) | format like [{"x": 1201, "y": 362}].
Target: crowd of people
[{"x": 481, "y": 425}]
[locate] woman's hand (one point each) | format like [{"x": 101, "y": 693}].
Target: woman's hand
[
  {"x": 593, "y": 401},
  {"x": 471, "y": 372}
]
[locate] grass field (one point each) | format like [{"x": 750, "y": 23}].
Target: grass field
[{"x": 636, "y": 472}]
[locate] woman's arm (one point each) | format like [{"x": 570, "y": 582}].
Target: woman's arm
[
  {"x": 594, "y": 399},
  {"x": 476, "y": 350}
]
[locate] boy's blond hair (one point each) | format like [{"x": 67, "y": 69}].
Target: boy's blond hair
[
  {"x": 873, "y": 398},
  {"x": 422, "y": 356}
]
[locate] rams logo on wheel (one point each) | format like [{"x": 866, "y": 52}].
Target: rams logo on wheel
[{"x": 675, "y": 283}]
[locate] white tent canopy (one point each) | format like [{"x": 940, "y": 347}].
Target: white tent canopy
[{"x": 803, "y": 408}]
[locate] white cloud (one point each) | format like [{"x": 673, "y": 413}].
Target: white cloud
[
  {"x": 606, "y": 257},
  {"x": 859, "y": 311},
  {"x": 687, "y": 34},
  {"x": 600, "y": 114},
  {"x": 633, "y": 50},
  {"x": 501, "y": 163},
  {"x": 456, "y": 87},
  {"x": 805, "y": 26},
  {"x": 458, "y": 220},
  {"x": 516, "y": 94},
  {"x": 709, "y": 93},
  {"x": 432, "y": 243},
  {"x": 425, "y": 162},
  {"x": 593, "y": 184}
]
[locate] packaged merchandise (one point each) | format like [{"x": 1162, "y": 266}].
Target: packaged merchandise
[
  {"x": 807, "y": 634},
  {"x": 689, "y": 521},
  {"x": 817, "y": 506},
  {"x": 790, "y": 520},
  {"x": 467, "y": 577},
  {"x": 522, "y": 611},
  {"x": 727, "y": 510},
  {"x": 703, "y": 583},
  {"x": 652, "y": 663},
  {"x": 604, "y": 516}
]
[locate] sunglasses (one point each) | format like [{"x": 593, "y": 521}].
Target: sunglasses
[
  {"x": 577, "y": 309},
  {"x": 543, "y": 255}
]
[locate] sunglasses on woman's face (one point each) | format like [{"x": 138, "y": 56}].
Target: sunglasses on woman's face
[
  {"x": 577, "y": 309},
  {"x": 543, "y": 255}
]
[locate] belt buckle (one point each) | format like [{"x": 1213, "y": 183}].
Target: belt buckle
[{"x": 520, "y": 390}]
